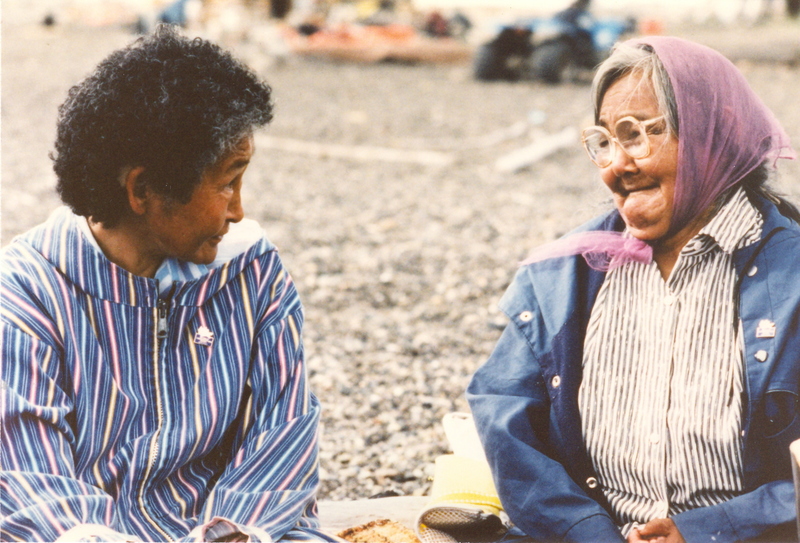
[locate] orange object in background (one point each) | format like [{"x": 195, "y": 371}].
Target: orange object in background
[
  {"x": 374, "y": 43},
  {"x": 651, "y": 27}
]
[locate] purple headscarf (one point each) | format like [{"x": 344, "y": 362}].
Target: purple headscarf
[{"x": 725, "y": 132}]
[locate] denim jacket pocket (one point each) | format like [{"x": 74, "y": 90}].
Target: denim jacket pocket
[
  {"x": 777, "y": 425},
  {"x": 779, "y": 414}
]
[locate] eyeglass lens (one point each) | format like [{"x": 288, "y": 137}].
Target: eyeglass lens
[{"x": 630, "y": 134}]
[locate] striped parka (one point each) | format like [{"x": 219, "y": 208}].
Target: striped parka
[{"x": 152, "y": 415}]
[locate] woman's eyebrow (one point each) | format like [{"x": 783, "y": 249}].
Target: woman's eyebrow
[{"x": 238, "y": 164}]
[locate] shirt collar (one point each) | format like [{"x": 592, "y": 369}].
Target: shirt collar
[{"x": 737, "y": 224}]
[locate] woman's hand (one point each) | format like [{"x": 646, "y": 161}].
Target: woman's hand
[{"x": 660, "y": 530}]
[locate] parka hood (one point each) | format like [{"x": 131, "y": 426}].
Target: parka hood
[{"x": 62, "y": 244}]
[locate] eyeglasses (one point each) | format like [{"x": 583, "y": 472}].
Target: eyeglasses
[{"x": 631, "y": 134}]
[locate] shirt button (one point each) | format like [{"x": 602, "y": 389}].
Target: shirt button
[
  {"x": 761, "y": 355},
  {"x": 556, "y": 381},
  {"x": 591, "y": 482},
  {"x": 669, "y": 299},
  {"x": 752, "y": 271},
  {"x": 654, "y": 438},
  {"x": 525, "y": 316}
]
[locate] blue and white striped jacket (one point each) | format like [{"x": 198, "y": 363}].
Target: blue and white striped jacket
[{"x": 151, "y": 415}]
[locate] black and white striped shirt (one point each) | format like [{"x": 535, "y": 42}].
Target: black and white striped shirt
[{"x": 660, "y": 400}]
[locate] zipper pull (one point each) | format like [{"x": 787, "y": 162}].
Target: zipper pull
[{"x": 162, "y": 318}]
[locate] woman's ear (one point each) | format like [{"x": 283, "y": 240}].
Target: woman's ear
[{"x": 133, "y": 182}]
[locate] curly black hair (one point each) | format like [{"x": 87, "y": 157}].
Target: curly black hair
[{"x": 170, "y": 104}]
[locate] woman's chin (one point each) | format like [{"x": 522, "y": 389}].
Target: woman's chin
[
  {"x": 650, "y": 233},
  {"x": 205, "y": 255}
]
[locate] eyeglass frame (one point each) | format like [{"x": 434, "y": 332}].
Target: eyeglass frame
[{"x": 644, "y": 124}]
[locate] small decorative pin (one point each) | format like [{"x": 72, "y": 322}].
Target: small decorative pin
[
  {"x": 766, "y": 329},
  {"x": 204, "y": 336}
]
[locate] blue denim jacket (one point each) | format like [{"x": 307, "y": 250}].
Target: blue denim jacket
[{"x": 525, "y": 397}]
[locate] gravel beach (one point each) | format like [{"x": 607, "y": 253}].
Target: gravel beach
[{"x": 400, "y": 258}]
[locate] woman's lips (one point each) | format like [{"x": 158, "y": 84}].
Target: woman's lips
[
  {"x": 218, "y": 237},
  {"x": 623, "y": 192}
]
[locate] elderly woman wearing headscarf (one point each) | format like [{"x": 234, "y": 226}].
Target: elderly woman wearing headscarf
[{"x": 646, "y": 387}]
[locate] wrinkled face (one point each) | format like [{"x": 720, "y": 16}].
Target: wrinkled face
[
  {"x": 192, "y": 231},
  {"x": 643, "y": 189}
]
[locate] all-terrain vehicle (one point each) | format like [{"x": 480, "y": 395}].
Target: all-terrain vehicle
[{"x": 546, "y": 48}]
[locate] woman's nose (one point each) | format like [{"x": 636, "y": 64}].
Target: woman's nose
[
  {"x": 621, "y": 162},
  {"x": 235, "y": 210}
]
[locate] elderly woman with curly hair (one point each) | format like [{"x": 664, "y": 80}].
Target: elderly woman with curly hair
[
  {"x": 153, "y": 378},
  {"x": 647, "y": 384}
]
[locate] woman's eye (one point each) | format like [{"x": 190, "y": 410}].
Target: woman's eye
[{"x": 657, "y": 128}]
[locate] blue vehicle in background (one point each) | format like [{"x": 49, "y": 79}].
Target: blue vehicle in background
[{"x": 547, "y": 48}]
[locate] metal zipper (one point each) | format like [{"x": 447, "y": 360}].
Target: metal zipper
[
  {"x": 162, "y": 313},
  {"x": 162, "y": 316}
]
